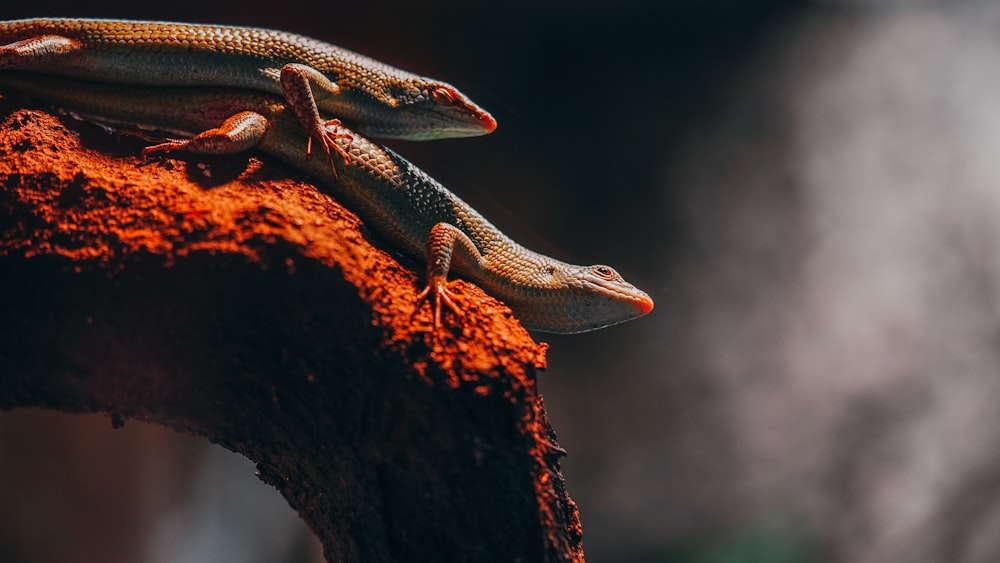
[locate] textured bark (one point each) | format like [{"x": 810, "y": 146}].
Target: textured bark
[{"x": 229, "y": 298}]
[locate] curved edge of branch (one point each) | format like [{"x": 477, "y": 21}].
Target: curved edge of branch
[{"x": 220, "y": 297}]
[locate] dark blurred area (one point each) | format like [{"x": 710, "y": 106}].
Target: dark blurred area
[{"x": 809, "y": 191}]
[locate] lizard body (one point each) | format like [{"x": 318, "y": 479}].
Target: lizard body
[
  {"x": 393, "y": 197},
  {"x": 314, "y": 77}
]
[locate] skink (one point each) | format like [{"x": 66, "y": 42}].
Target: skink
[
  {"x": 394, "y": 198},
  {"x": 314, "y": 77}
]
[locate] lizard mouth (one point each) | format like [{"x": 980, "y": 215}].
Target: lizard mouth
[
  {"x": 640, "y": 301},
  {"x": 451, "y": 102},
  {"x": 473, "y": 119},
  {"x": 645, "y": 304},
  {"x": 486, "y": 121}
]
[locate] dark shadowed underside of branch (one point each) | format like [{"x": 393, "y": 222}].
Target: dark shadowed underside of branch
[{"x": 231, "y": 299}]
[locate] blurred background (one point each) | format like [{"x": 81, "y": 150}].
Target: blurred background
[{"x": 810, "y": 190}]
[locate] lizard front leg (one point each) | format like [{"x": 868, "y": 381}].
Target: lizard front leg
[
  {"x": 296, "y": 85},
  {"x": 442, "y": 243}
]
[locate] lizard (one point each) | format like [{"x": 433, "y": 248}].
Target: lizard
[
  {"x": 313, "y": 76},
  {"x": 394, "y": 198}
]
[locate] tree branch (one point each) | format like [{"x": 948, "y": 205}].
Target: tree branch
[{"x": 225, "y": 298}]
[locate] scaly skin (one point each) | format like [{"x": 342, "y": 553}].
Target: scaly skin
[
  {"x": 370, "y": 96},
  {"x": 393, "y": 197}
]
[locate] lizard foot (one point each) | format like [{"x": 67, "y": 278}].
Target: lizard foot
[
  {"x": 327, "y": 133},
  {"x": 438, "y": 290}
]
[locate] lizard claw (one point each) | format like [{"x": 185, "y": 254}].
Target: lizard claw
[
  {"x": 165, "y": 147},
  {"x": 327, "y": 133},
  {"x": 439, "y": 289}
]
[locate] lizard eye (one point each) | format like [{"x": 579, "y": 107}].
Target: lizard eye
[
  {"x": 605, "y": 272},
  {"x": 442, "y": 96}
]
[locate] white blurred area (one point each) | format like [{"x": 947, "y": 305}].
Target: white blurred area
[{"x": 827, "y": 360}]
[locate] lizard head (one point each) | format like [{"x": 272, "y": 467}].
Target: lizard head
[
  {"x": 584, "y": 298},
  {"x": 427, "y": 109}
]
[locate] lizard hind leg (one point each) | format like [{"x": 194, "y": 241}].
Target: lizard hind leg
[{"x": 239, "y": 133}]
